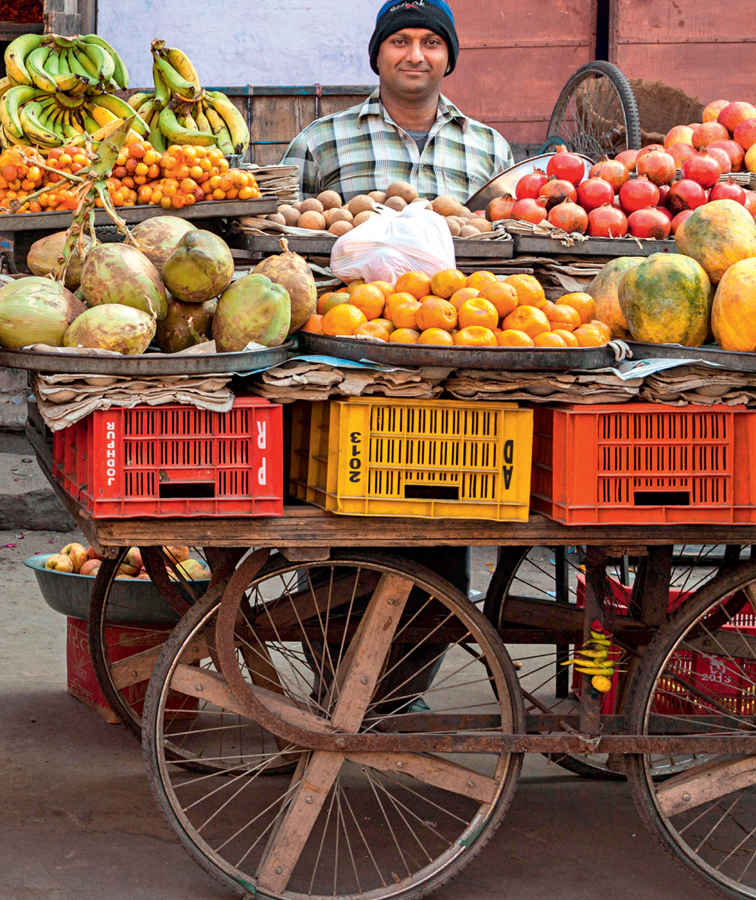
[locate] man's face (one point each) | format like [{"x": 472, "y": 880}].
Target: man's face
[{"x": 413, "y": 61}]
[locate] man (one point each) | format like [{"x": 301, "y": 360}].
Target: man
[{"x": 406, "y": 130}]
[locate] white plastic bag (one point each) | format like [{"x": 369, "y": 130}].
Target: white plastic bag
[{"x": 391, "y": 243}]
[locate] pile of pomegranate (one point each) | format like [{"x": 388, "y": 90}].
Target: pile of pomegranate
[{"x": 640, "y": 192}]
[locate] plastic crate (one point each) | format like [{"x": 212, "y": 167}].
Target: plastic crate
[
  {"x": 644, "y": 463},
  {"x": 175, "y": 461},
  {"x": 422, "y": 458},
  {"x": 299, "y": 445}
]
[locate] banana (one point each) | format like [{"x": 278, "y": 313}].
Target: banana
[
  {"x": 15, "y": 55},
  {"x": 63, "y": 42},
  {"x": 176, "y": 84},
  {"x": 190, "y": 122},
  {"x": 121, "y": 109},
  {"x": 5, "y": 85},
  {"x": 140, "y": 97},
  {"x": 175, "y": 134},
  {"x": 203, "y": 123},
  {"x": 35, "y": 66},
  {"x": 33, "y": 128},
  {"x": 219, "y": 129},
  {"x": 120, "y": 72},
  {"x": 52, "y": 63},
  {"x": 103, "y": 116},
  {"x": 162, "y": 94},
  {"x": 156, "y": 135},
  {"x": 90, "y": 125},
  {"x": 67, "y": 126},
  {"x": 67, "y": 81},
  {"x": 69, "y": 102},
  {"x": 183, "y": 65},
  {"x": 101, "y": 59},
  {"x": 76, "y": 65},
  {"x": 237, "y": 127},
  {"x": 10, "y": 103}
]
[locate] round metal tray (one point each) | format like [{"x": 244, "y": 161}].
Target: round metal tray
[
  {"x": 146, "y": 363},
  {"x": 539, "y": 359},
  {"x": 727, "y": 359}
]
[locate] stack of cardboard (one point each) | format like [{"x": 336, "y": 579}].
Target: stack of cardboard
[{"x": 542, "y": 387}]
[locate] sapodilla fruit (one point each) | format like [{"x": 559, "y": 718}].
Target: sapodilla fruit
[
  {"x": 292, "y": 272},
  {"x": 119, "y": 273},
  {"x": 35, "y": 310},
  {"x": 185, "y": 325},
  {"x": 112, "y": 326},
  {"x": 201, "y": 267},
  {"x": 157, "y": 237}
]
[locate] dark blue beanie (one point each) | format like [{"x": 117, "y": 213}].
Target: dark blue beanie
[{"x": 435, "y": 15}]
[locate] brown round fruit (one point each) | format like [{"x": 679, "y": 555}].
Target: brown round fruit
[
  {"x": 396, "y": 202},
  {"x": 468, "y": 231},
  {"x": 447, "y": 206},
  {"x": 337, "y": 215},
  {"x": 289, "y": 212},
  {"x": 402, "y": 189},
  {"x": 378, "y": 196},
  {"x": 330, "y": 199},
  {"x": 278, "y": 218},
  {"x": 312, "y": 219},
  {"x": 312, "y": 204},
  {"x": 480, "y": 224},
  {"x": 454, "y": 226},
  {"x": 360, "y": 203},
  {"x": 362, "y": 217},
  {"x": 298, "y": 205},
  {"x": 341, "y": 227}
]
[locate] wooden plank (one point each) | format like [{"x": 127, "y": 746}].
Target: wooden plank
[
  {"x": 531, "y": 244},
  {"x": 512, "y": 23},
  {"x": 321, "y": 245},
  {"x": 646, "y": 21},
  {"x": 705, "y": 783}
]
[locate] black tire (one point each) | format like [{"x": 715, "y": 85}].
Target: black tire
[
  {"x": 649, "y": 685},
  {"x": 591, "y": 136}
]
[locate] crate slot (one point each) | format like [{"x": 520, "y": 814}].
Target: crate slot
[
  {"x": 172, "y": 490},
  {"x": 661, "y": 498},
  {"x": 430, "y": 492}
]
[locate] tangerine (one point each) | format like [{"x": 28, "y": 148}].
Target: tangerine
[
  {"x": 342, "y": 319},
  {"x": 475, "y": 336},
  {"x": 502, "y": 295},
  {"x": 528, "y": 288},
  {"x": 582, "y": 302},
  {"x": 513, "y": 337},
  {"x": 478, "y": 311},
  {"x": 459, "y": 297},
  {"x": 562, "y": 315},
  {"x": 416, "y": 283},
  {"x": 589, "y": 336},
  {"x": 436, "y": 336},
  {"x": 404, "y": 336},
  {"x": 370, "y": 299},
  {"x": 328, "y": 301},
  {"x": 603, "y": 329},
  {"x": 481, "y": 278},
  {"x": 393, "y": 299},
  {"x": 314, "y": 324},
  {"x": 404, "y": 313},
  {"x": 567, "y": 336},
  {"x": 373, "y": 329},
  {"x": 435, "y": 312},
  {"x": 387, "y": 323},
  {"x": 446, "y": 282},
  {"x": 529, "y": 319},
  {"x": 386, "y": 288},
  {"x": 549, "y": 339},
  {"x": 353, "y": 285}
]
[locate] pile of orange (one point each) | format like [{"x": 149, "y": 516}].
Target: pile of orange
[
  {"x": 453, "y": 309},
  {"x": 22, "y": 173}
]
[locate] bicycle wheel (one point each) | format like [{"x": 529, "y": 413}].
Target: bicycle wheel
[
  {"x": 343, "y": 825},
  {"x": 699, "y": 677},
  {"x": 556, "y": 575},
  {"x": 596, "y": 113}
]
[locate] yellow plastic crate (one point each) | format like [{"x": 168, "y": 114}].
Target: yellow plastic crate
[
  {"x": 299, "y": 446},
  {"x": 423, "y": 458}
]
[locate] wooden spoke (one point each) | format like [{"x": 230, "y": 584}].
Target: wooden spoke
[
  {"x": 705, "y": 783},
  {"x": 138, "y": 667}
]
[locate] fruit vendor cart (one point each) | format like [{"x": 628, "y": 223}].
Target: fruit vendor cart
[{"x": 327, "y": 716}]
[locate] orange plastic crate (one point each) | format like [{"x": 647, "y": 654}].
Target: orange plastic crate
[
  {"x": 644, "y": 463},
  {"x": 175, "y": 460}
]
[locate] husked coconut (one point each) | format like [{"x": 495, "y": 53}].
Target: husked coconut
[
  {"x": 312, "y": 219},
  {"x": 312, "y": 204}
]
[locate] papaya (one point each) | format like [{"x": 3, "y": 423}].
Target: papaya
[
  {"x": 666, "y": 299},
  {"x": 603, "y": 289},
  {"x": 733, "y": 313},
  {"x": 717, "y": 235}
]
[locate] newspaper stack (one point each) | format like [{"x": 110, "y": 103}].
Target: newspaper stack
[
  {"x": 542, "y": 387},
  {"x": 700, "y": 384}
]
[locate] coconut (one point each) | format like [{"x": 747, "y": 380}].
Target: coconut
[
  {"x": 254, "y": 308},
  {"x": 112, "y": 326},
  {"x": 35, "y": 310},
  {"x": 45, "y": 254},
  {"x": 119, "y": 273},
  {"x": 200, "y": 267},
  {"x": 292, "y": 271},
  {"x": 157, "y": 237},
  {"x": 185, "y": 325}
]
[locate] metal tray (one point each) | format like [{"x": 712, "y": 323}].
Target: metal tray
[
  {"x": 537, "y": 359},
  {"x": 728, "y": 359},
  {"x": 146, "y": 363},
  {"x": 529, "y": 244}
]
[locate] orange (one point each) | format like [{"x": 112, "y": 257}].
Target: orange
[
  {"x": 369, "y": 299},
  {"x": 549, "y": 339},
  {"x": 371, "y": 329},
  {"x": 475, "y": 336},
  {"x": 342, "y": 319},
  {"x": 436, "y": 313},
  {"x": 404, "y": 336},
  {"x": 435, "y": 336},
  {"x": 512, "y": 337},
  {"x": 589, "y": 336},
  {"x": 479, "y": 279},
  {"x": 529, "y": 319},
  {"x": 478, "y": 311},
  {"x": 314, "y": 324},
  {"x": 352, "y": 285},
  {"x": 459, "y": 297},
  {"x": 416, "y": 283},
  {"x": 528, "y": 288},
  {"x": 386, "y": 288},
  {"x": 567, "y": 336},
  {"x": 582, "y": 302},
  {"x": 562, "y": 315},
  {"x": 387, "y": 324},
  {"x": 404, "y": 313},
  {"x": 445, "y": 283},
  {"x": 328, "y": 301},
  {"x": 394, "y": 299},
  {"x": 502, "y": 295},
  {"x": 603, "y": 328}
]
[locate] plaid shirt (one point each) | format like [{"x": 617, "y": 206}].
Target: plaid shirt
[{"x": 362, "y": 149}]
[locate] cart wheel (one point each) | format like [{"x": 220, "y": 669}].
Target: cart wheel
[
  {"x": 123, "y": 680},
  {"x": 550, "y": 574},
  {"x": 342, "y": 825},
  {"x": 699, "y": 677},
  {"x": 596, "y": 113}
]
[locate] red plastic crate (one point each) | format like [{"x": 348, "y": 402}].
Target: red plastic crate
[
  {"x": 175, "y": 461},
  {"x": 644, "y": 463}
]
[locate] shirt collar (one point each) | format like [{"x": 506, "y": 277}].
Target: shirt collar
[{"x": 372, "y": 106}]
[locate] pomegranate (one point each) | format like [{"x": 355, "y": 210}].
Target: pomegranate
[
  {"x": 500, "y": 208},
  {"x": 594, "y": 192},
  {"x": 734, "y": 113},
  {"x": 529, "y": 185},
  {"x": 713, "y": 109},
  {"x": 663, "y": 191},
  {"x": 664, "y": 211},
  {"x": 733, "y": 150},
  {"x": 611, "y": 170},
  {"x": 627, "y": 158},
  {"x": 529, "y": 210},
  {"x": 745, "y": 133},
  {"x": 649, "y": 148},
  {"x": 728, "y": 190},
  {"x": 638, "y": 193},
  {"x": 566, "y": 165},
  {"x": 649, "y": 223},
  {"x": 557, "y": 190},
  {"x": 569, "y": 217},
  {"x": 685, "y": 194},
  {"x": 678, "y": 134},
  {"x": 680, "y": 218},
  {"x": 680, "y": 152},
  {"x": 658, "y": 166},
  {"x": 607, "y": 221},
  {"x": 750, "y": 202},
  {"x": 702, "y": 168},
  {"x": 721, "y": 157},
  {"x": 707, "y": 133}
]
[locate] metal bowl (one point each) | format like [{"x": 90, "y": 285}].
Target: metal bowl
[{"x": 504, "y": 182}]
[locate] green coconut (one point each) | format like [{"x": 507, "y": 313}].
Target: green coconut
[
  {"x": 292, "y": 271},
  {"x": 112, "y": 326},
  {"x": 36, "y": 310},
  {"x": 45, "y": 254},
  {"x": 255, "y": 309},
  {"x": 200, "y": 268},
  {"x": 119, "y": 273},
  {"x": 158, "y": 237},
  {"x": 185, "y": 325}
]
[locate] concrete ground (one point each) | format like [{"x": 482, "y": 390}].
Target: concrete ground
[{"x": 77, "y": 820}]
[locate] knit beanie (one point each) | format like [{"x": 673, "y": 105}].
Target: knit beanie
[{"x": 435, "y": 15}]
